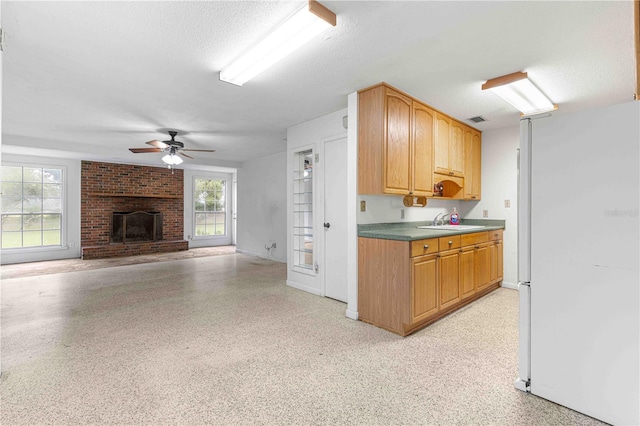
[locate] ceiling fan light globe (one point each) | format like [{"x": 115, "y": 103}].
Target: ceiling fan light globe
[{"x": 172, "y": 159}]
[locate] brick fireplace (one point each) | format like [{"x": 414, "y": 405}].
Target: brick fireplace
[{"x": 109, "y": 188}]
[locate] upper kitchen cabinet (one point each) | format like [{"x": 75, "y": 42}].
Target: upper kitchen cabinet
[
  {"x": 395, "y": 143},
  {"x": 472, "y": 163},
  {"x": 449, "y": 147},
  {"x": 423, "y": 131}
]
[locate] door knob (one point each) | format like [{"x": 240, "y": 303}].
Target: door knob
[{"x": 327, "y": 225}]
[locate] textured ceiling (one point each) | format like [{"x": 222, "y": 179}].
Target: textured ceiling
[{"x": 93, "y": 79}]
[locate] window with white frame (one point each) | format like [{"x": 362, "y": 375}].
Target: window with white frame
[
  {"x": 210, "y": 197},
  {"x": 32, "y": 206}
]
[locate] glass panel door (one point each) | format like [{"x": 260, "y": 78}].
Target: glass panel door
[{"x": 303, "y": 209}]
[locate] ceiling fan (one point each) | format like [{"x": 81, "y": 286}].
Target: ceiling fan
[{"x": 171, "y": 147}]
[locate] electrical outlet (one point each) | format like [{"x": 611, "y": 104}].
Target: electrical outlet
[
  {"x": 507, "y": 204},
  {"x": 401, "y": 213},
  {"x": 363, "y": 206},
  {"x": 485, "y": 213}
]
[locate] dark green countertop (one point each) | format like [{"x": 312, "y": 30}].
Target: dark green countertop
[{"x": 409, "y": 231}]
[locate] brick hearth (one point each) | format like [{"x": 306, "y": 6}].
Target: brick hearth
[{"x": 108, "y": 187}]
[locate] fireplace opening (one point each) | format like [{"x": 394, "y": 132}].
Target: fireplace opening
[{"x": 130, "y": 227}]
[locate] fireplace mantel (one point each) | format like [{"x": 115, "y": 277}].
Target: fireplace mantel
[{"x": 132, "y": 195}]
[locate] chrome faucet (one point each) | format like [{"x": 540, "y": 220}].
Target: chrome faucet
[{"x": 439, "y": 221}]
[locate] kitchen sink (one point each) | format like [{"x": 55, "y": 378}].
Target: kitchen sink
[{"x": 451, "y": 227}]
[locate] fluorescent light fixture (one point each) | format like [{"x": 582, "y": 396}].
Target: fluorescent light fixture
[
  {"x": 172, "y": 159},
  {"x": 301, "y": 27},
  {"x": 520, "y": 92}
]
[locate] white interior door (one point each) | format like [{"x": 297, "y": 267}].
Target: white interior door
[{"x": 335, "y": 219}]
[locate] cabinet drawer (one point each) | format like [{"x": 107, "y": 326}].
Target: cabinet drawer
[
  {"x": 495, "y": 235},
  {"x": 475, "y": 238},
  {"x": 451, "y": 242},
  {"x": 420, "y": 247}
]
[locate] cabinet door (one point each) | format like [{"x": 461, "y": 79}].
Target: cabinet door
[
  {"x": 398, "y": 116},
  {"x": 441, "y": 145},
  {"x": 449, "y": 274},
  {"x": 423, "y": 130},
  {"x": 472, "y": 163},
  {"x": 476, "y": 158},
  {"x": 424, "y": 288},
  {"x": 467, "y": 272},
  {"x": 495, "y": 255},
  {"x": 483, "y": 266},
  {"x": 456, "y": 150}
]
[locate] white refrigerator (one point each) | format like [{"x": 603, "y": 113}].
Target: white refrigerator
[{"x": 578, "y": 253}]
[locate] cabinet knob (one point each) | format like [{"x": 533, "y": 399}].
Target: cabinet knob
[
  {"x": 450, "y": 242},
  {"x": 476, "y": 247},
  {"x": 426, "y": 246}
]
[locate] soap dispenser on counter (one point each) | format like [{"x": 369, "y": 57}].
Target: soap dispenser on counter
[{"x": 454, "y": 218}]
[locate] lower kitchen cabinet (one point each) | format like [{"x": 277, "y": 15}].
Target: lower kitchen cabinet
[
  {"x": 449, "y": 278},
  {"x": 495, "y": 255},
  {"x": 404, "y": 286},
  {"x": 467, "y": 272},
  {"x": 483, "y": 266},
  {"x": 424, "y": 287}
]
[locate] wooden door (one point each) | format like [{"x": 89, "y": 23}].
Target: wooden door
[
  {"x": 476, "y": 158},
  {"x": 472, "y": 163},
  {"x": 456, "y": 150},
  {"x": 398, "y": 117},
  {"x": 441, "y": 145},
  {"x": 424, "y": 288},
  {"x": 423, "y": 131},
  {"x": 483, "y": 266},
  {"x": 467, "y": 272},
  {"x": 493, "y": 262},
  {"x": 449, "y": 276},
  {"x": 500, "y": 254}
]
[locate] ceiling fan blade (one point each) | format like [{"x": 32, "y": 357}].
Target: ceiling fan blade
[
  {"x": 141, "y": 150},
  {"x": 158, "y": 144},
  {"x": 199, "y": 150},
  {"x": 185, "y": 155}
]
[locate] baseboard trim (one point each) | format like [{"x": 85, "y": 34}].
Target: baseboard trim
[
  {"x": 509, "y": 285},
  {"x": 351, "y": 314},
  {"x": 522, "y": 385},
  {"x": 304, "y": 288},
  {"x": 262, "y": 256}
]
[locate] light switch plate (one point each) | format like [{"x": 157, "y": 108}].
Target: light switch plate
[
  {"x": 485, "y": 213},
  {"x": 363, "y": 206},
  {"x": 507, "y": 204}
]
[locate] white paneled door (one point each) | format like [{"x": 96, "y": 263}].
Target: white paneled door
[{"x": 335, "y": 219}]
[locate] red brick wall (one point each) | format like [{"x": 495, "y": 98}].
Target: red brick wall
[{"x": 109, "y": 187}]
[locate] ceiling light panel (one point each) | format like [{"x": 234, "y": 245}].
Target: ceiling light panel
[
  {"x": 301, "y": 27},
  {"x": 521, "y": 93}
]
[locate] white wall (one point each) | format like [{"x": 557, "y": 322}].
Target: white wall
[
  {"x": 262, "y": 204},
  {"x": 71, "y": 227},
  {"x": 500, "y": 183},
  {"x": 194, "y": 241},
  {"x": 311, "y": 134}
]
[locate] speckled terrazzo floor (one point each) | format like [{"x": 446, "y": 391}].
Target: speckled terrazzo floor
[
  {"x": 221, "y": 340},
  {"x": 68, "y": 265}
]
